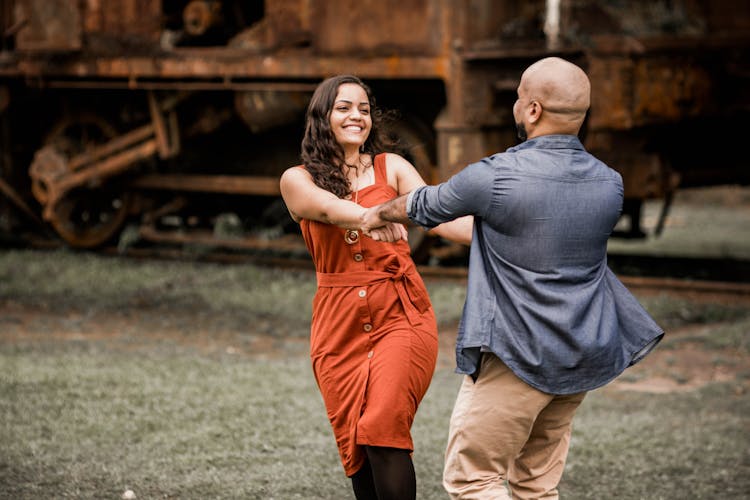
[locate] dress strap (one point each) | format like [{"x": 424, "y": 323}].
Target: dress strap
[{"x": 381, "y": 176}]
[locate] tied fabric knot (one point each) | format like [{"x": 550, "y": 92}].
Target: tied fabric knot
[
  {"x": 400, "y": 271},
  {"x": 406, "y": 285}
]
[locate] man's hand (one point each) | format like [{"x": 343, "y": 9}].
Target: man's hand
[{"x": 371, "y": 220}]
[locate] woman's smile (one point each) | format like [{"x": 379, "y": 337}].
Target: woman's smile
[{"x": 350, "y": 117}]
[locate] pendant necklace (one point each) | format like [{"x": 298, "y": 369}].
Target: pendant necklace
[{"x": 351, "y": 236}]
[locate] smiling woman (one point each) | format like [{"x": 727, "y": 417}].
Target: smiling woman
[
  {"x": 350, "y": 118},
  {"x": 373, "y": 337}
]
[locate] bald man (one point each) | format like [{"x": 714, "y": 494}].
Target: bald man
[{"x": 545, "y": 320}]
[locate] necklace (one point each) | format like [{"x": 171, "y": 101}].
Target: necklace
[
  {"x": 365, "y": 166},
  {"x": 351, "y": 236}
]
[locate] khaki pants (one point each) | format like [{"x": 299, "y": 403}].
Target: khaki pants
[{"x": 502, "y": 430}]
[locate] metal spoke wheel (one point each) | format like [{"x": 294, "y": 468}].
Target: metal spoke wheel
[
  {"x": 90, "y": 215},
  {"x": 88, "y": 218}
]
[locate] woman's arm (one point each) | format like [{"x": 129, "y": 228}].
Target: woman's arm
[
  {"x": 305, "y": 200},
  {"x": 459, "y": 230}
]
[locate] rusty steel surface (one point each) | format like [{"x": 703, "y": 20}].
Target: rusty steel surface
[
  {"x": 226, "y": 184},
  {"x": 173, "y": 83},
  {"x": 227, "y": 65},
  {"x": 48, "y": 25},
  {"x": 632, "y": 92},
  {"x": 105, "y": 21}
]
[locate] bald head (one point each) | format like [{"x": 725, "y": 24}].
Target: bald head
[{"x": 563, "y": 92}]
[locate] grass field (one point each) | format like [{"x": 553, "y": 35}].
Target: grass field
[{"x": 191, "y": 381}]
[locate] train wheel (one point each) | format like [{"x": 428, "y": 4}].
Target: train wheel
[{"x": 89, "y": 216}]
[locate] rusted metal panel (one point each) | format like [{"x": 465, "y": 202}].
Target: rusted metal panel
[
  {"x": 227, "y": 65},
  {"x": 644, "y": 174},
  {"x": 725, "y": 15},
  {"x": 199, "y": 16},
  {"x": 4, "y": 98},
  {"x": 6, "y": 20},
  {"x": 582, "y": 19},
  {"x": 266, "y": 109},
  {"x": 123, "y": 20},
  {"x": 654, "y": 64},
  {"x": 284, "y": 24},
  {"x": 502, "y": 23},
  {"x": 48, "y": 25},
  {"x": 669, "y": 89},
  {"x": 392, "y": 27},
  {"x": 633, "y": 92}
]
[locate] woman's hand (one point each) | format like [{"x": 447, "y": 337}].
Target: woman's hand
[{"x": 390, "y": 232}]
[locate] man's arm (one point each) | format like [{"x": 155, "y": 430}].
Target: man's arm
[
  {"x": 391, "y": 211},
  {"x": 467, "y": 193}
]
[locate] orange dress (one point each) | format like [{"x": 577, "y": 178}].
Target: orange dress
[{"x": 373, "y": 341}]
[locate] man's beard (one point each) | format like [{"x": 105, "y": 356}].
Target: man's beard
[{"x": 521, "y": 131}]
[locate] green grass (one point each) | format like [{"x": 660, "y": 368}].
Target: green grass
[
  {"x": 673, "y": 313},
  {"x": 236, "y": 296},
  {"x": 82, "y": 421},
  {"x": 89, "y": 423},
  {"x": 62, "y": 280},
  {"x": 87, "y": 417}
]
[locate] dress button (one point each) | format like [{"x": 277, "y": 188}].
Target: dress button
[
  {"x": 369, "y": 354},
  {"x": 367, "y": 327},
  {"x": 362, "y": 293},
  {"x": 358, "y": 257}
]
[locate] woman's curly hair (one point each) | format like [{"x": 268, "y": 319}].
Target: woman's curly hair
[{"x": 322, "y": 156}]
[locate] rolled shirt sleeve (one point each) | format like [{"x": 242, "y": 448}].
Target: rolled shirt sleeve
[{"x": 469, "y": 192}]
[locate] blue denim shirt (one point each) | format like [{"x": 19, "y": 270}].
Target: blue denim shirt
[{"x": 540, "y": 294}]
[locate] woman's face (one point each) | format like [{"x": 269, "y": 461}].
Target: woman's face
[{"x": 350, "y": 117}]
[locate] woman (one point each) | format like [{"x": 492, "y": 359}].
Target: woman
[{"x": 374, "y": 335}]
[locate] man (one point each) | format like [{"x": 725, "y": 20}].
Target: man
[{"x": 545, "y": 320}]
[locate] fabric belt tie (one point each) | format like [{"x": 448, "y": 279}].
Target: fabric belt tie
[{"x": 404, "y": 277}]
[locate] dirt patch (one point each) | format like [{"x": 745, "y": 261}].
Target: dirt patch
[
  {"x": 685, "y": 367},
  {"x": 677, "y": 366},
  {"x": 146, "y": 329},
  {"x": 680, "y": 363}
]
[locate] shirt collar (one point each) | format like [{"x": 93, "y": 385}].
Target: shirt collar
[{"x": 549, "y": 142}]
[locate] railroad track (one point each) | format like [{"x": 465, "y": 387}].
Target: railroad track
[
  {"x": 638, "y": 273},
  {"x": 647, "y": 273},
  {"x": 680, "y": 286}
]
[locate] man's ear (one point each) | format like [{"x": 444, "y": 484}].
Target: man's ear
[{"x": 534, "y": 112}]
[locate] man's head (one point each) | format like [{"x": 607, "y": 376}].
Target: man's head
[{"x": 553, "y": 98}]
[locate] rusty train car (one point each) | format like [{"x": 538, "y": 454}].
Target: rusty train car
[{"x": 173, "y": 119}]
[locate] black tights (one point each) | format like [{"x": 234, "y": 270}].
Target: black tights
[{"x": 388, "y": 474}]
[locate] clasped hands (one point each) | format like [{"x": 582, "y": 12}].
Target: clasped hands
[{"x": 375, "y": 227}]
